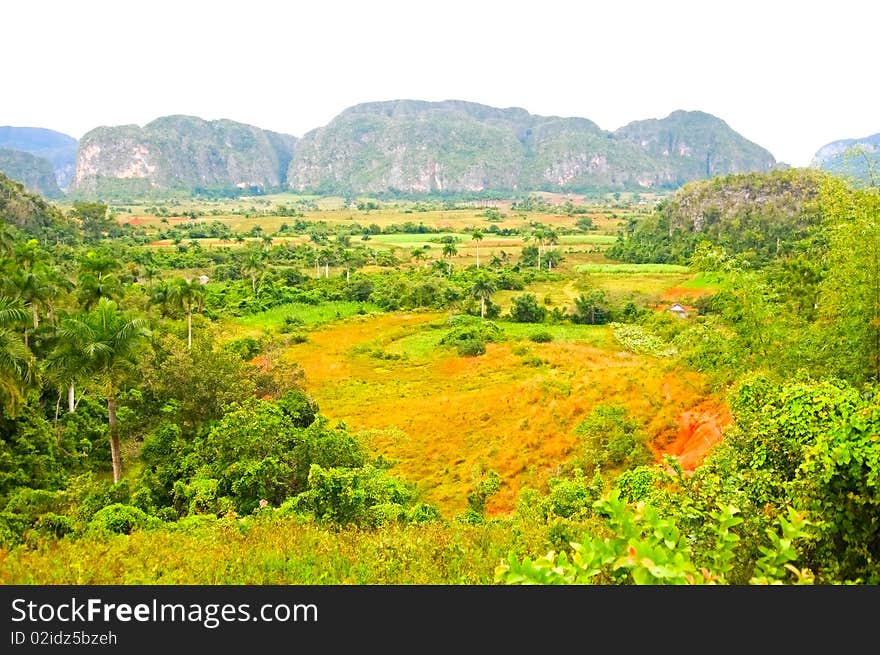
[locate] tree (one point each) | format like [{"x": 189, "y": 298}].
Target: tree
[
  {"x": 107, "y": 342},
  {"x": 849, "y": 302},
  {"x": 592, "y": 308},
  {"x": 449, "y": 251},
  {"x": 253, "y": 266},
  {"x": 482, "y": 288},
  {"x": 189, "y": 295},
  {"x": 525, "y": 309},
  {"x": 17, "y": 364},
  {"x": 477, "y": 236},
  {"x": 93, "y": 218},
  {"x": 36, "y": 289},
  {"x": 418, "y": 254}
]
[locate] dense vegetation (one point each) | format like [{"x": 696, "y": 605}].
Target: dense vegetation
[{"x": 134, "y": 416}]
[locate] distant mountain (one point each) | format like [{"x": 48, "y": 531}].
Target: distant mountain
[
  {"x": 856, "y": 158},
  {"x": 35, "y": 173},
  {"x": 416, "y": 147},
  {"x": 691, "y": 145},
  {"x": 58, "y": 148},
  {"x": 181, "y": 153}
]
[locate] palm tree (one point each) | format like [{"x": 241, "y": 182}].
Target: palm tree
[
  {"x": 253, "y": 266},
  {"x": 107, "y": 342},
  {"x": 477, "y": 236},
  {"x": 17, "y": 364},
  {"x": 550, "y": 238},
  {"x": 450, "y": 250},
  {"x": 36, "y": 289},
  {"x": 482, "y": 288},
  {"x": 326, "y": 256},
  {"x": 189, "y": 295},
  {"x": 418, "y": 254},
  {"x": 67, "y": 365}
]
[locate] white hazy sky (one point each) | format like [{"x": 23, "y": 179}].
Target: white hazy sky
[{"x": 790, "y": 76}]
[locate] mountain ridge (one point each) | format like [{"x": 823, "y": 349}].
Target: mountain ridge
[
  {"x": 413, "y": 147},
  {"x": 390, "y": 145}
]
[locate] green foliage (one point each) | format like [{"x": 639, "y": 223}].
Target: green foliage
[
  {"x": 486, "y": 486},
  {"x": 610, "y": 437},
  {"x": 541, "y": 337},
  {"x": 525, "y": 309},
  {"x": 646, "y": 548},
  {"x": 364, "y": 496},
  {"x": 760, "y": 216},
  {"x": 466, "y": 329},
  {"x": 299, "y": 407},
  {"x": 470, "y": 347},
  {"x": 637, "y": 339},
  {"x": 118, "y": 519},
  {"x": 592, "y": 308}
]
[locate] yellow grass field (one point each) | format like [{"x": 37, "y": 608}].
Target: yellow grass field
[{"x": 445, "y": 420}]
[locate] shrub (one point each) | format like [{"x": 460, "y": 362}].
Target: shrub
[
  {"x": 541, "y": 337},
  {"x": 118, "y": 519},
  {"x": 55, "y": 525},
  {"x": 299, "y": 407},
  {"x": 342, "y": 495},
  {"x": 246, "y": 347},
  {"x": 611, "y": 437},
  {"x": 525, "y": 309},
  {"x": 471, "y": 347}
]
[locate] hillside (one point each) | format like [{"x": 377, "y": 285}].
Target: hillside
[
  {"x": 693, "y": 145},
  {"x": 417, "y": 147},
  {"x": 28, "y": 211},
  {"x": 855, "y": 158},
  {"x": 58, "y": 148},
  {"x": 757, "y": 215},
  {"x": 181, "y": 153},
  {"x": 35, "y": 173}
]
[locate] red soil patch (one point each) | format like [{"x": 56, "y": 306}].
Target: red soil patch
[
  {"x": 699, "y": 429},
  {"x": 677, "y": 293}
]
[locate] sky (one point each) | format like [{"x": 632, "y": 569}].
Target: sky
[{"x": 790, "y": 76}]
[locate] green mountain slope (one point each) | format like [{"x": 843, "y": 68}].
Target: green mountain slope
[
  {"x": 181, "y": 153},
  {"x": 416, "y": 146},
  {"x": 58, "y": 148},
  {"x": 36, "y": 173}
]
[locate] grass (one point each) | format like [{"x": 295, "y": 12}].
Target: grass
[
  {"x": 278, "y": 551},
  {"x": 631, "y": 269},
  {"x": 310, "y": 315},
  {"x": 445, "y": 420}
]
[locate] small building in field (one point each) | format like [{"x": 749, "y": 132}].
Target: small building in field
[{"x": 679, "y": 310}]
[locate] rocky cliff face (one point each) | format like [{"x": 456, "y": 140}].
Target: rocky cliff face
[
  {"x": 691, "y": 145},
  {"x": 412, "y": 146},
  {"x": 415, "y": 147},
  {"x": 35, "y": 173},
  {"x": 181, "y": 153},
  {"x": 59, "y": 149}
]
